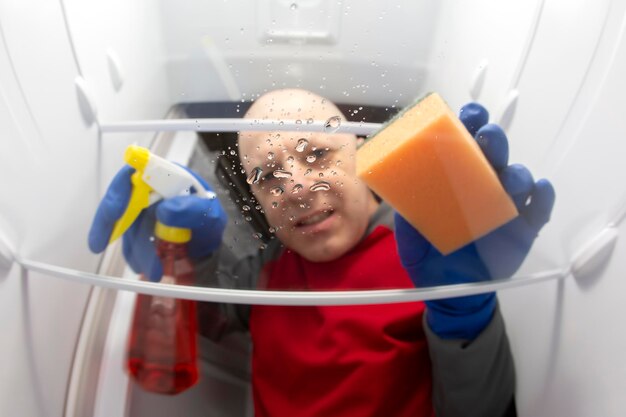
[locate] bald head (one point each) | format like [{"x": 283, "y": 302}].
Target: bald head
[
  {"x": 306, "y": 181},
  {"x": 292, "y": 104},
  {"x": 286, "y": 104}
]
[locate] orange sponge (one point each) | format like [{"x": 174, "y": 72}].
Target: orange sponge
[{"x": 427, "y": 166}]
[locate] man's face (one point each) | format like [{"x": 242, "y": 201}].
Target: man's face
[{"x": 308, "y": 189}]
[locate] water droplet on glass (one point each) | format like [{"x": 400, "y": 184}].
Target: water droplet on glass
[
  {"x": 296, "y": 189},
  {"x": 320, "y": 186},
  {"x": 309, "y": 121},
  {"x": 274, "y": 204},
  {"x": 311, "y": 158},
  {"x": 281, "y": 173},
  {"x": 308, "y": 171},
  {"x": 332, "y": 124},
  {"x": 257, "y": 235},
  {"x": 254, "y": 176},
  {"x": 290, "y": 159},
  {"x": 233, "y": 152},
  {"x": 293, "y": 6},
  {"x": 276, "y": 191},
  {"x": 246, "y": 208},
  {"x": 262, "y": 246},
  {"x": 248, "y": 218},
  {"x": 302, "y": 144},
  {"x": 270, "y": 155},
  {"x": 298, "y": 122},
  {"x": 272, "y": 230}
]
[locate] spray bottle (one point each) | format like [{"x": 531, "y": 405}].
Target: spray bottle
[{"x": 162, "y": 352}]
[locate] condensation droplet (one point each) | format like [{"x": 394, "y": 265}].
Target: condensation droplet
[
  {"x": 276, "y": 191},
  {"x": 320, "y": 186},
  {"x": 309, "y": 121},
  {"x": 332, "y": 124},
  {"x": 270, "y": 155},
  {"x": 311, "y": 158},
  {"x": 296, "y": 189},
  {"x": 294, "y": 6},
  {"x": 281, "y": 173},
  {"x": 246, "y": 208},
  {"x": 308, "y": 171},
  {"x": 254, "y": 176},
  {"x": 302, "y": 144},
  {"x": 298, "y": 122},
  {"x": 290, "y": 159},
  {"x": 272, "y": 230},
  {"x": 274, "y": 204},
  {"x": 257, "y": 235}
]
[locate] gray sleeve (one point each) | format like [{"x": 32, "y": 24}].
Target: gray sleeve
[
  {"x": 225, "y": 270},
  {"x": 473, "y": 378}
]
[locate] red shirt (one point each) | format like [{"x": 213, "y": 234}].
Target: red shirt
[{"x": 364, "y": 360}]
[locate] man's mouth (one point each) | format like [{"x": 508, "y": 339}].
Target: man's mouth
[{"x": 314, "y": 218}]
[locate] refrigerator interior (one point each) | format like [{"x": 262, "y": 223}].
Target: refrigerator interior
[{"x": 75, "y": 76}]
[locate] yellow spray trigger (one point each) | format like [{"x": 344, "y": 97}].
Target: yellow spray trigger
[
  {"x": 137, "y": 157},
  {"x": 139, "y": 200}
]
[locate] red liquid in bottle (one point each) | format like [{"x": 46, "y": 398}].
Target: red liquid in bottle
[{"x": 162, "y": 354}]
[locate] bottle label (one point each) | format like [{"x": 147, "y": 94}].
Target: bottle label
[{"x": 165, "y": 305}]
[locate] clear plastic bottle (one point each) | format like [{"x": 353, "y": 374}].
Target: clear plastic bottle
[{"x": 162, "y": 353}]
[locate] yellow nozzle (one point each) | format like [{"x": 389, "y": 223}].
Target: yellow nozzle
[
  {"x": 137, "y": 157},
  {"x": 172, "y": 234}
]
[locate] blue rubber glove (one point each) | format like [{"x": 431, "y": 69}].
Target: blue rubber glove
[
  {"x": 205, "y": 217},
  {"x": 496, "y": 255}
]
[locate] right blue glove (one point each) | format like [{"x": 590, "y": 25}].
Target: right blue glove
[
  {"x": 205, "y": 217},
  {"x": 495, "y": 255}
]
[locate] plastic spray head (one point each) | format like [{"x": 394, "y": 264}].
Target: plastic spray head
[
  {"x": 137, "y": 157},
  {"x": 154, "y": 178},
  {"x": 172, "y": 234}
]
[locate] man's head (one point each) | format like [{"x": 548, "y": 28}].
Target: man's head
[{"x": 308, "y": 186}]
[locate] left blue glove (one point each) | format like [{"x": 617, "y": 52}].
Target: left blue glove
[
  {"x": 205, "y": 217},
  {"x": 496, "y": 255}
]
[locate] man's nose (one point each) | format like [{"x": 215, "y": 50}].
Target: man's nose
[{"x": 303, "y": 178}]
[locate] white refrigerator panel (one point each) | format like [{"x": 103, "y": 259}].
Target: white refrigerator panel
[
  {"x": 119, "y": 47},
  {"x": 48, "y": 188}
]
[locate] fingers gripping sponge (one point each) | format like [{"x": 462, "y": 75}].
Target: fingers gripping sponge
[{"x": 427, "y": 166}]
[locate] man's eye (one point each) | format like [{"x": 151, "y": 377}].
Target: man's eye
[
  {"x": 268, "y": 177},
  {"x": 317, "y": 154}
]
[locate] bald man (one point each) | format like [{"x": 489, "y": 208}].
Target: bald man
[{"x": 332, "y": 234}]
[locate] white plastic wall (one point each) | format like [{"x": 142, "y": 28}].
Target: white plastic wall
[
  {"x": 50, "y": 166},
  {"x": 47, "y": 158},
  {"x": 373, "y": 52},
  {"x": 568, "y": 70}
]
